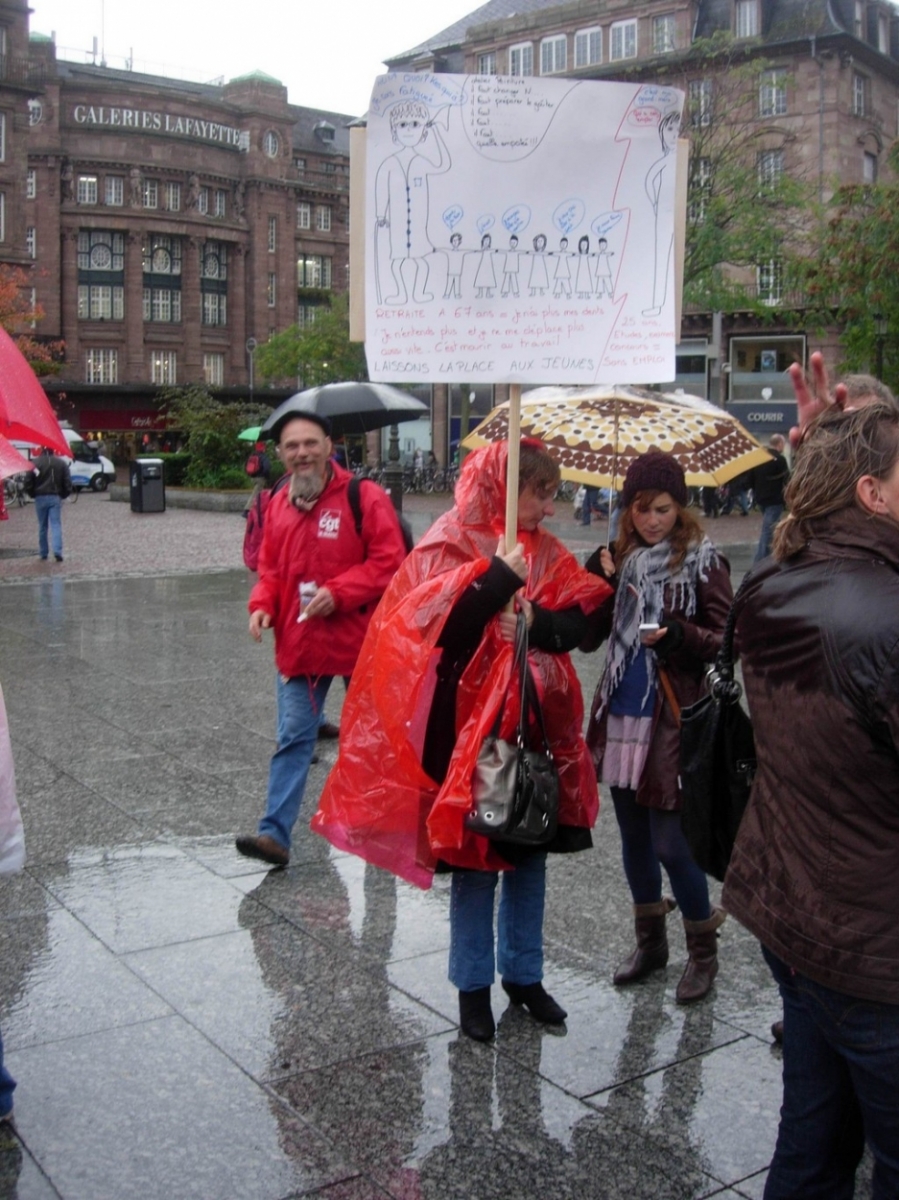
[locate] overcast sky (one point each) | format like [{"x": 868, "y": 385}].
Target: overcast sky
[{"x": 326, "y": 54}]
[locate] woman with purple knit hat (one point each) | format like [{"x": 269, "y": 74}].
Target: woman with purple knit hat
[{"x": 664, "y": 627}]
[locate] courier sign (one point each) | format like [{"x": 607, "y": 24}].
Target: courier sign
[{"x": 156, "y": 122}]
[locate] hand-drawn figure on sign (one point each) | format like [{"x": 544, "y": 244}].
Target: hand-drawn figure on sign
[
  {"x": 455, "y": 260},
  {"x": 669, "y": 127},
  {"x": 485, "y": 279},
  {"x": 583, "y": 281},
  {"x": 511, "y": 263},
  {"x": 562, "y": 277},
  {"x": 401, "y": 198},
  {"x": 539, "y": 280},
  {"x": 604, "y": 255}
]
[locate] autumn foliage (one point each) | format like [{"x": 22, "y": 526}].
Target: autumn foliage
[{"x": 18, "y": 316}]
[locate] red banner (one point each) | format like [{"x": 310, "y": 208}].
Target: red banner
[{"x": 121, "y": 420}]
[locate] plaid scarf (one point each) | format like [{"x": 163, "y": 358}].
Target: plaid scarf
[{"x": 643, "y": 582}]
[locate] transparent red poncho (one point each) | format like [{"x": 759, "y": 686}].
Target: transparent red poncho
[{"x": 378, "y": 802}]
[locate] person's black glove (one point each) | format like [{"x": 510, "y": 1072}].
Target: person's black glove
[{"x": 673, "y": 639}]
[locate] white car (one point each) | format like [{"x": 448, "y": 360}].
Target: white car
[{"x": 89, "y": 468}]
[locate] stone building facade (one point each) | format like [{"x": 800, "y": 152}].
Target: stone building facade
[
  {"x": 171, "y": 226},
  {"x": 827, "y": 111}
]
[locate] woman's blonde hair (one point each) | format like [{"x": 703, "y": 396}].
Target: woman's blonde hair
[
  {"x": 686, "y": 532},
  {"x": 837, "y": 450}
]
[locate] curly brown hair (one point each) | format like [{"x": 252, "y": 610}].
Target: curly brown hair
[{"x": 687, "y": 531}]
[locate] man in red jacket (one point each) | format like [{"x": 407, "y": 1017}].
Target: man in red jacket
[{"x": 319, "y": 581}]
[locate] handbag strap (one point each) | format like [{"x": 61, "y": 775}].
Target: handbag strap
[
  {"x": 530, "y": 697},
  {"x": 669, "y": 694},
  {"x": 724, "y": 687}
]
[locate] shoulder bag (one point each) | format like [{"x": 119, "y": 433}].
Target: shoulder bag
[
  {"x": 717, "y": 762},
  {"x": 515, "y": 789}
]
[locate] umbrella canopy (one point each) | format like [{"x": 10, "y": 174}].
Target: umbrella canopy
[
  {"x": 11, "y": 461},
  {"x": 595, "y": 433},
  {"x": 251, "y": 434},
  {"x": 25, "y": 412},
  {"x": 350, "y": 407}
]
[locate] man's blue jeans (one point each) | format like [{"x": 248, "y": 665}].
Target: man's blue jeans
[
  {"x": 48, "y": 513},
  {"x": 300, "y": 704},
  {"x": 771, "y": 514},
  {"x": 591, "y": 499},
  {"x": 841, "y": 1087},
  {"x": 7, "y": 1086},
  {"x": 519, "y": 953}
]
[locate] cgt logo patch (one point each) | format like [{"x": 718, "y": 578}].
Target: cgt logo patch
[{"x": 329, "y": 524}]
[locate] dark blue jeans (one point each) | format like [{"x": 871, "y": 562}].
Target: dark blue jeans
[{"x": 841, "y": 1088}]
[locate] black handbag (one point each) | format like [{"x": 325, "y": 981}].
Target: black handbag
[
  {"x": 515, "y": 788},
  {"x": 717, "y": 762}
]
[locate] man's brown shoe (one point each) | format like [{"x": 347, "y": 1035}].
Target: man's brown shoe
[
  {"x": 263, "y": 847},
  {"x": 328, "y": 732}
]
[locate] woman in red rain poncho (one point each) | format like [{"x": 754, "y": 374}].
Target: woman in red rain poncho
[{"x": 431, "y": 678}]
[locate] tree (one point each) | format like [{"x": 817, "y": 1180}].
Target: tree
[
  {"x": 320, "y": 352},
  {"x": 854, "y": 276},
  {"x": 746, "y": 208},
  {"x": 210, "y": 428},
  {"x": 18, "y": 314}
]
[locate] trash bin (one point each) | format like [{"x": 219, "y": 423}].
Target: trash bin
[{"x": 147, "y": 485}]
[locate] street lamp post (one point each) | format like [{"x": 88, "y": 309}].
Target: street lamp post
[
  {"x": 251, "y": 355},
  {"x": 881, "y": 327}
]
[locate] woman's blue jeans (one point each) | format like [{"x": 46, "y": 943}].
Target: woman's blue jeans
[
  {"x": 48, "y": 509},
  {"x": 7, "y": 1086},
  {"x": 519, "y": 949},
  {"x": 841, "y": 1088},
  {"x": 300, "y": 704}
]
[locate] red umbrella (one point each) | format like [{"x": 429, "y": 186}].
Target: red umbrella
[
  {"x": 11, "y": 461},
  {"x": 25, "y": 412}
]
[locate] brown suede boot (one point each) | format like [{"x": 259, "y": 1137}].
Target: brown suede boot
[
  {"x": 702, "y": 964},
  {"x": 651, "y": 953}
]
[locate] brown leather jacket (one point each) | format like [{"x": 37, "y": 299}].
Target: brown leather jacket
[
  {"x": 686, "y": 669},
  {"x": 815, "y": 871}
]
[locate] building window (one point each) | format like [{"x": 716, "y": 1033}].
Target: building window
[
  {"x": 699, "y": 189},
  {"x": 304, "y": 215},
  {"x": 164, "y": 366},
  {"x": 272, "y": 234},
  {"x": 664, "y": 29},
  {"x": 700, "y": 102},
  {"x": 31, "y": 241},
  {"x": 86, "y": 189},
  {"x": 100, "y": 302},
  {"x": 2, "y": 216},
  {"x": 771, "y": 169},
  {"x": 172, "y": 196},
  {"x": 271, "y": 292},
  {"x": 487, "y": 63},
  {"x": 271, "y": 144},
  {"x": 323, "y": 218},
  {"x": 587, "y": 47},
  {"x": 859, "y": 18},
  {"x": 869, "y": 168},
  {"x": 221, "y": 202},
  {"x": 162, "y": 255},
  {"x": 860, "y": 91},
  {"x": 150, "y": 193},
  {"x": 214, "y": 370},
  {"x": 306, "y": 314},
  {"x": 773, "y": 93},
  {"x": 623, "y": 43},
  {"x": 162, "y": 260},
  {"x": 31, "y": 185},
  {"x": 300, "y": 164},
  {"x": 2, "y": 137},
  {"x": 770, "y": 281},
  {"x": 554, "y": 55},
  {"x": 521, "y": 59},
  {"x": 883, "y": 33},
  {"x": 35, "y": 111},
  {"x": 203, "y": 200},
  {"x": 746, "y": 18},
  {"x": 214, "y": 283},
  {"x": 101, "y": 366},
  {"x": 101, "y": 251},
  {"x": 115, "y": 190},
  {"x": 313, "y": 270}
]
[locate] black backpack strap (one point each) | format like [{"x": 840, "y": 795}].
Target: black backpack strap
[{"x": 353, "y": 495}]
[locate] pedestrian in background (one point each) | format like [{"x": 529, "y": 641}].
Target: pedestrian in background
[
  {"x": 664, "y": 628},
  {"x": 768, "y": 483},
  {"x": 50, "y": 484}
]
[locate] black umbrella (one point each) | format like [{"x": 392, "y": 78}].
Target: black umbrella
[{"x": 350, "y": 407}]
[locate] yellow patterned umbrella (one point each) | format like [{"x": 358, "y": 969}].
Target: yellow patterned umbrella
[{"x": 595, "y": 433}]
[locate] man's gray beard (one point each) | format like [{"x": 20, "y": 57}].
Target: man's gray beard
[{"x": 306, "y": 487}]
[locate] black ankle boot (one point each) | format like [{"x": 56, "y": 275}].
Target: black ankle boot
[
  {"x": 537, "y": 1001},
  {"x": 475, "y": 1016}
]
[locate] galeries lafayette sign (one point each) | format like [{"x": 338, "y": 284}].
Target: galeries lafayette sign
[{"x": 151, "y": 121}]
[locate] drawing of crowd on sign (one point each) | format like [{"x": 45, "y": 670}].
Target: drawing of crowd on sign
[{"x": 520, "y": 230}]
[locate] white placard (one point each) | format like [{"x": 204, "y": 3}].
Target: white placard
[{"x": 520, "y": 230}]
